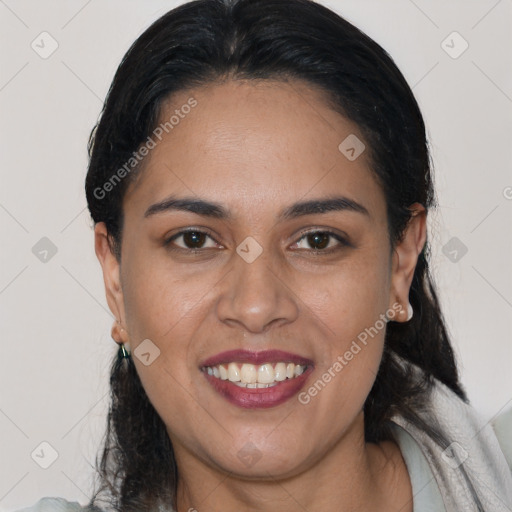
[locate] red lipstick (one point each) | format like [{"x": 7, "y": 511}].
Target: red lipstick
[
  {"x": 257, "y": 398},
  {"x": 261, "y": 357}
]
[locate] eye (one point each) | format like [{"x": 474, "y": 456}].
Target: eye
[
  {"x": 192, "y": 240},
  {"x": 195, "y": 240},
  {"x": 322, "y": 241}
]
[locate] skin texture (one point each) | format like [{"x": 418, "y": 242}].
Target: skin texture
[{"x": 255, "y": 148}]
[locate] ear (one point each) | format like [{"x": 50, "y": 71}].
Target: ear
[
  {"x": 405, "y": 257},
  {"x": 111, "y": 275}
]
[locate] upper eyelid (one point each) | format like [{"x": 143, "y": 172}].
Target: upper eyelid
[
  {"x": 328, "y": 231},
  {"x": 339, "y": 237},
  {"x": 185, "y": 231}
]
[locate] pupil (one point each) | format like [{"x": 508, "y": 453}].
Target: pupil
[
  {"x": 193, "y": 237},
  {"x": 316, "y": 239}
]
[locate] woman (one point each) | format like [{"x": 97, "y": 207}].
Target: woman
[{"x": 260, "y": 182}]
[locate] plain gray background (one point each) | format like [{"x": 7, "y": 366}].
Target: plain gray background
[{"x": 55, "y": 323}]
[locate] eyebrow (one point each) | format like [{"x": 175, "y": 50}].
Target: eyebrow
[{"x": 217, "y": 211}]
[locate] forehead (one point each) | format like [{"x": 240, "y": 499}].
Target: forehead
[{"x": 252, "y": 144}]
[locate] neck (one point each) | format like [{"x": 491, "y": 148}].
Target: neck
[{"x": 351, "y": 476}]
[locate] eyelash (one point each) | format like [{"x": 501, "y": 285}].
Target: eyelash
[{"x": 342, "y": 241}]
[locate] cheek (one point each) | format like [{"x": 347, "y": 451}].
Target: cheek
[
  {"x": 168, "y": 307},
  {"x": 165, "y": 306},
  {"x": 349, "y": 304},
  {"x": 352, "y": 297},
  {"x": 159, "y": 299}
]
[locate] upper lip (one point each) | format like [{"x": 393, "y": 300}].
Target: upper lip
[{"x": 253, "y": 357}]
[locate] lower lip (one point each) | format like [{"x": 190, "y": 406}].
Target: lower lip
[{"x": 259, "y": 398}]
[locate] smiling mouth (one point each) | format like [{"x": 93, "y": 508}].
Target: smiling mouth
[
  {"x": 251, "y": 376},
  {"x": 262, "y": 379}
]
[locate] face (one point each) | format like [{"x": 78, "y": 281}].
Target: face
[{"x": 261, "y": 275}]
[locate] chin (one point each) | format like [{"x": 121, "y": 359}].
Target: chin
[
  {"x": 246, "y": 460},
  {"x": 261, "y": 466}
]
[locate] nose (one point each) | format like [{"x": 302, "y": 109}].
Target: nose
[{"x": 256, "y": 295}]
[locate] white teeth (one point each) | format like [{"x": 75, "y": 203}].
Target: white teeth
[
  {"x": 266, "y": 374},
  {"x": 252, "y": 376},
  {"x": 233, "y": 372},
  {"x": 254, "y": 385},
  {"x": 280, "y": 372},
  {"x": 248, "y": 373},
  {"x": 223, "y": 373}
]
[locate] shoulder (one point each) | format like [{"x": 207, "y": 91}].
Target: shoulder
[
  {"x": 490, "y": 440},
  {"x": 426, "y": 493},
  {"x": 56, "y": 505},
  {"x": 462, "y": 450},
  {"x": 502, "y": 426}
]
